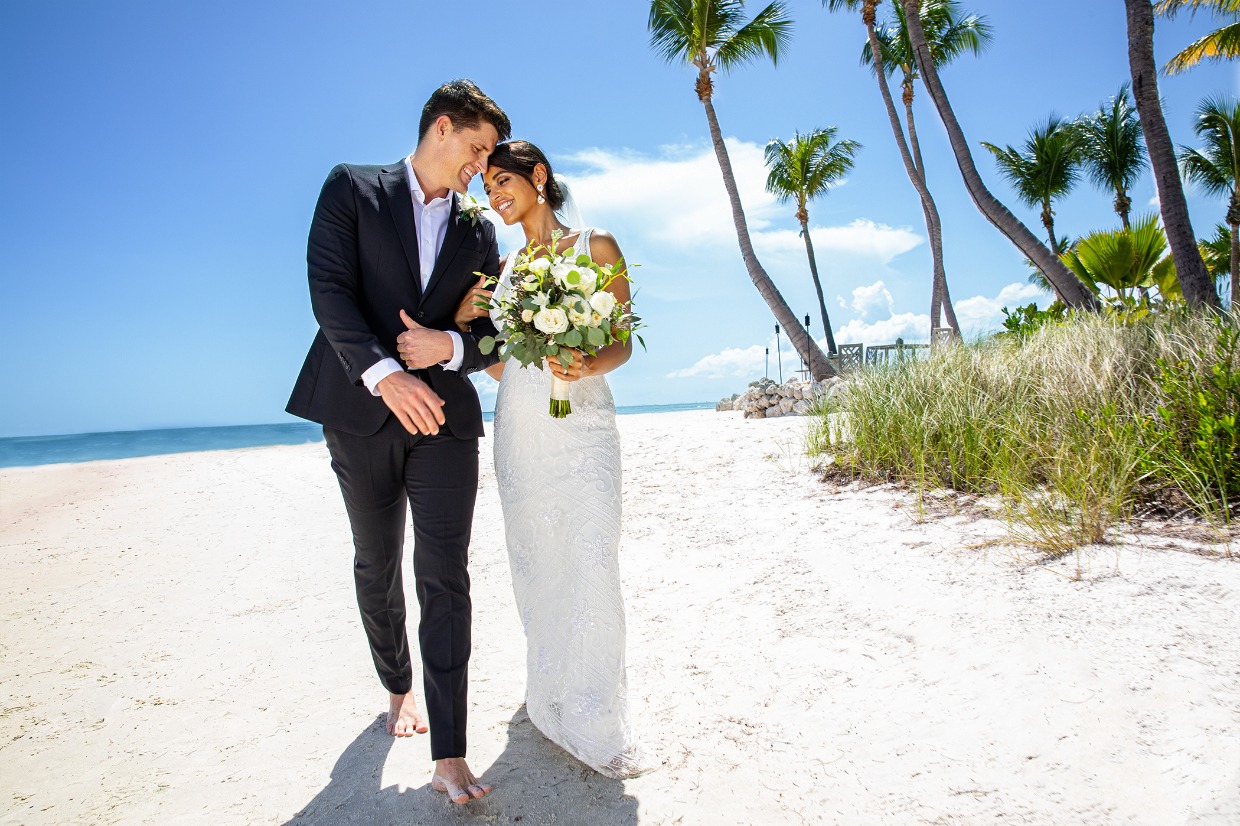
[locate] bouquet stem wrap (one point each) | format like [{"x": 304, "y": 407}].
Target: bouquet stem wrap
[{"x": 559, "y": 398}]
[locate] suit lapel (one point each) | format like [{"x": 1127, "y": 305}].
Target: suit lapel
[
  {"x": 458, "y": 228},
  {"x": 395, "y": 181}
]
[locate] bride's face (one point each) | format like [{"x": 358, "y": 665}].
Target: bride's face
[{"x": 510, "y": 194}]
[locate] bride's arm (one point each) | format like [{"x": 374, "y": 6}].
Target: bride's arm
[{"x": 604, "y": 250}]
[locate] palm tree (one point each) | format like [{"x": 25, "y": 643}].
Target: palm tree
[
  {"x": 950, "y": 34},
  {"x": 1216, "y": 167},
  {"x": 1114, "y": 150},
  {"x": 1216, "y": 251},
  {"x": 711, "y": 35},
  {"x": 1046, "y": 168},
  {"x": 1067, "y": 286},
  {"x": 1221, "y": 44},
  {"x": 801, "y": 170},
  {"x": 1194, "y": 279}
]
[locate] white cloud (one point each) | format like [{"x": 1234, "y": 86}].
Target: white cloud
[
  {"x": 913, "y": 328},
  {"x": 982, "y": 314},
  {"x": 733, "y": 362},
  {"x": 874, "y": 296},
  {"x": 745, "y": 362}
]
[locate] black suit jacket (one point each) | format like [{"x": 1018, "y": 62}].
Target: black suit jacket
[{"x": 362, "y": 260}]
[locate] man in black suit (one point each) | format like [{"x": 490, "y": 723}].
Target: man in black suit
[{"x": 391, "y": 255}]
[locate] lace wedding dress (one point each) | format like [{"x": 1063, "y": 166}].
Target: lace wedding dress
[{"x": 559, "y": 484}]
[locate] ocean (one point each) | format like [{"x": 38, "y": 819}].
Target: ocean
[{"x": 27, "y": 451}]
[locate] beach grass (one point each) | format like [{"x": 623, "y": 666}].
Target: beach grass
[{"x": 1075, "y": 427}]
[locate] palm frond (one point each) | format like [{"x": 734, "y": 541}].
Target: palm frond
[
  {"x": 1169, "y": 8},
  {"x": 1114, "y": 145},
  {"x": 769, "y": 33},
  {"x": 1215, "y": 167},
  {"x": 1222, "y": 44}
]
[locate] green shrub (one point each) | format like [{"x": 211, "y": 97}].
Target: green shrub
[{"x": 1072, "y": 425}]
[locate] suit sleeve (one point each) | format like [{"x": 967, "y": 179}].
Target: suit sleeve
[
  {"x": 472, "y": 359},
  {"x": 334, "y": 271}
]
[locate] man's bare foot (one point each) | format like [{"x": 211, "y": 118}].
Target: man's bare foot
[
  {"x": 454, "y": 778},
  {"x": 403, "y": 718}
]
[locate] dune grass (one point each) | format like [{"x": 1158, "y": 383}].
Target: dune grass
[{"x": 1074, "y": 426}]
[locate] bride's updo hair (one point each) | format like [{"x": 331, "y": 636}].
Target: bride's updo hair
[{"x": 520, "y": 158}]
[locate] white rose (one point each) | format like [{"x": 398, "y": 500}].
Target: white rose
[
  {"x": 603, "y": 302},
  {"x": 579, "y": 315},
  {"x": 551, "y": 320},
  {"x": 527, "y": 316},
  {"x": 560, "y": 272},
  {"x": 588, "y": 284},
  {"x": 540, "y": 266},
  {"x": 596, "y": 320}
]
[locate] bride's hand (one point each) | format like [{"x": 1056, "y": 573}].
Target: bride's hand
[
  {"x": 468, "y": 311},
  {"x": 579, "y": 369}
]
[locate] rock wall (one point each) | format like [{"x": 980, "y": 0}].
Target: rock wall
[{"x": 764, "y": 399}]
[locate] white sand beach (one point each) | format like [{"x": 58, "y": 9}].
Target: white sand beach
[{"x": 179, "y": 644}]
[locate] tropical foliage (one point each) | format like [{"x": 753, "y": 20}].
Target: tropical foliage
[
  {"x": 1220, "y": 44},
  {"x": 1215, "y": 167},
  {"x": 1045, "y": 168},
  {"x": 1113, "y": 150}
]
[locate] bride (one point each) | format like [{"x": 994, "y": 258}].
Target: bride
[{"x": 559, "y": 484}]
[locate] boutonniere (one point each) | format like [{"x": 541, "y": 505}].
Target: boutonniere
[{"x": 471, "y": 209}]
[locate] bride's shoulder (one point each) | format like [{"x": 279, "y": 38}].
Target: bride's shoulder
[{"x": 603, "y": 246}]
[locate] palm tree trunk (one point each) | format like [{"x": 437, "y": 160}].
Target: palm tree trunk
[
  {"x": 1123, "y": 205},
  {"x": 1195, "y": 281},
  {"x": 813, "y": 271},
  {"x": 940, "y": 298},
  {"x": 1068, "y": 286},
  {"x": 1048, "y": 221},
  {"x": 1235, "y": 268},
  {"x": 938, "y": 284},
  {"x": 805, "y": 346}
]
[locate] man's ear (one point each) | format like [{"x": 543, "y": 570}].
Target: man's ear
[{"x": 443, "y": 127}]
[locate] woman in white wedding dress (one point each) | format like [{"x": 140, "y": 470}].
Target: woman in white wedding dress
[{"x": 559, "y": 484}]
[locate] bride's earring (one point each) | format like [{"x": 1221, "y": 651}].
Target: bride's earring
[{"x": 541, "y": 199}]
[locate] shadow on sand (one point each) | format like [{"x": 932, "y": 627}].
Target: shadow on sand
[{"x": 535, "y": 783}]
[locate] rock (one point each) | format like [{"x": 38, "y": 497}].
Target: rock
[
  {"x": 802, "y": 407},
  {"x": 755, "y": 414},
  {"x": 786, "y": 405}
]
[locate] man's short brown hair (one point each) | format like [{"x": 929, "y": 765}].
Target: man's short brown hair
[{"x": 467, "y": 106}]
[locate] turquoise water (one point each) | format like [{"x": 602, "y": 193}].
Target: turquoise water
[{"x": 25, "y": 451}]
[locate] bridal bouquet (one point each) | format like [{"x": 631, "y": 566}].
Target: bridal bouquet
[{"x": 557, "y": 304}]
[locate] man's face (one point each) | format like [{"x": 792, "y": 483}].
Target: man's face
[{"x": 462, "y": 152}]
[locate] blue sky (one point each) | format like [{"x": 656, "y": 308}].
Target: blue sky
[{"x": 164, "y": 159}]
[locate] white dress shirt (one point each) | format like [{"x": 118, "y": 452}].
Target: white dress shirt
[{"x": 431, "y": 222}]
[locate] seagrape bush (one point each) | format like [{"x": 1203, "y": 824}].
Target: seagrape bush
[{"x": 1075, "y": 425}]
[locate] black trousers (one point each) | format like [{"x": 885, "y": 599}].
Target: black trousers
[{"x": 438, "y": 477}]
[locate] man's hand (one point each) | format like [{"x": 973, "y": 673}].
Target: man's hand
[
  {"x": 421, "y": 346},
  {"x": 417, "y": 406}
]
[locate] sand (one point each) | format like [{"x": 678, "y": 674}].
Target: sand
[{"x": 179, "y": 644}]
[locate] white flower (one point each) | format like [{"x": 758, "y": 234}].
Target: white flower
[
  {"x": 527, "y": 316},
  {"x": 539, "y": 265},
  {"x": 596, "y": 320},
  {"x": 560, "y": 271},
  {"x": 551, "y": 320},
  {"x": 579, "y": 315},
  {"x": 529, "y": 282},
  {"x": 603, "y": 302},
  {"x": 541, "y": 299}
]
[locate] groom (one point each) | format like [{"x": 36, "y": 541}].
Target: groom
[{"x": 390, "y": 253}]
